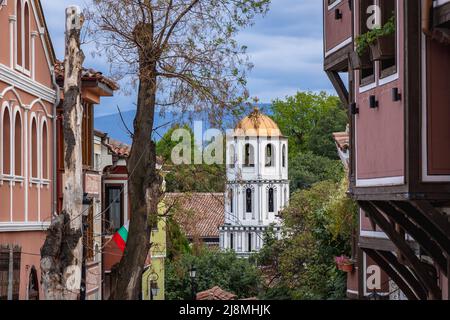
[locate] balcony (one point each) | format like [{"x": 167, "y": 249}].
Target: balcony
[{"x": 338, "y": 33}]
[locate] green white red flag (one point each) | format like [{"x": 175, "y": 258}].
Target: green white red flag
[{"x": 121, "y": 236}]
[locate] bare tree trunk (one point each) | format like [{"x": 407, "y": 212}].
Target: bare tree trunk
[
  {"x": 62, "y": 253},
  {"x": 144, "y": 193}
]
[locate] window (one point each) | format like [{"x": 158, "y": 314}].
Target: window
[
  {"x": 388, "y": 66},
  {"x": 18, "y": 145},
  {"x": 88, "y": 135},
  {"x": 367, "y": 75},
  {"x": 283, "y": 156},
  {"x": 248, "y": 200},
  {"x": 232, "y": 158},
  {"x": 33, "y": 285},
  {"x": 249, "y": 243},
  {"x": 271, "y": 200},
  {"x": 6, "y": 142},
  {"x": 45, "y": 151},
  {"x": 114, "y": 208},
  {"x": 8, "y": 255},
  {"x": 88, "y": 236},
  {"x": 34, "y": 146},
  {"x": 231, "y": 200},
  {"x": 270, "y": 156},
  {"x": 249, "y": 155},
  {"x": 232, "y": 241}
]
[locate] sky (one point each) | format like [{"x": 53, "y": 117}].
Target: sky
[{"x": 285, "y": 46}]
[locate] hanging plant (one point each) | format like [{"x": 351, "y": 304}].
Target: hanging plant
[{"x": 371, "y": 38}]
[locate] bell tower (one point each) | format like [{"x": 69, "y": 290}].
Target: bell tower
[{"x": 257, "y": 183}]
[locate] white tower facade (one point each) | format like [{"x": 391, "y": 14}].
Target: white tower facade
[{"x": 257, "y": 183}]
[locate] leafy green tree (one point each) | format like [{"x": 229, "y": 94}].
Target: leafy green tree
[
  {"x": 317, "y": 227},
  {"x": 307, "y": 168},
  {"x": 189, "y": 177},
  {"x": 214, "y": 268},
  {"x": 309, "y": 120},
  {"x": 177, "y": 244}
]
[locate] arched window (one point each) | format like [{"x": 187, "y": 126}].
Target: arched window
[
  {"x": 248, "y": 200},
  {"x": 284, "y": 156},
  {"x": 19, "y": 33},
  {"x": 270, "y": 156},
  {"x": 6, "y": 142},
  {"x": 18, "y": 145},
  {"x": 26, "y": 35},
  {"x": 34, "y": 148},
  {"x": 249, "y": 155},
  {"x": 231, "y": 193},
  {"x": 271, "y": 200},
  {"x": 44, "y": 151},
  {"x": 232, "y": 157},
  {"x": 33, "y": 285},
  {"x": 232, "y": 241}
]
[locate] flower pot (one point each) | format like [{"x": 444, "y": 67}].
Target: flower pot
[
  {"x": 360, "y": 62},
  {"x": 383, "y": 48},
  {"x": 346, "y": 268}
]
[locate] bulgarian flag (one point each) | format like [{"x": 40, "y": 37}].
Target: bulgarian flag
[{"x": 121, "y": 236}]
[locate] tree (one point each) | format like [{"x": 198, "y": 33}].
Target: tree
[
  {"x": 189, "y": 177},
  {"x": 181, "y": 53},
  {"x": 309, "y": 120},
  {"x": 317, "y": 228},
  {"x": 214, "y": 268},
  {"x": 62, "y": 252},
  {"x": 307, "y": 169}
]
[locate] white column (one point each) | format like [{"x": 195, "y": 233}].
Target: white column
[
  {"x": 12, "y": 22},
  {"x": 26, "y": 132},
  {"x": 34, "y": 35}
]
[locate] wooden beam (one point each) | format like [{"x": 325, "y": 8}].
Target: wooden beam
[
  {"x": 405, "y": 273},
  {"x": 393, "y": 274},
  {"x": 437, "y": 218},
  {"x": 430, "y": 247},
  {"x": 420, "y": 219},
  {"x": 339, "y": 86},
  {"x": 434, "y": 293}
]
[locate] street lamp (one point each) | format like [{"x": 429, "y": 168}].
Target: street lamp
[
  {"x": 153, "y": 285},
  {"x": 154, "y": 289},
  {"x": 193, "y": 275}
]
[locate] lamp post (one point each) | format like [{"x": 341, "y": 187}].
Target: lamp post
[
  {"x": 153, "y": 285},
  {"x": 193, "y": 276}
]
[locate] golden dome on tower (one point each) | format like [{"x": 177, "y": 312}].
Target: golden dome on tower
[{"x": 257, "y": 124}]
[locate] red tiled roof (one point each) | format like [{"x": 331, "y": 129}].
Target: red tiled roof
[
  {"x": 216, "y": 293},
  {"x": 118, "y": 148},
  {"x": 342, "y": 140},
  {"x": 198, "y": 214},
  {"x": 87, "y": 75}
]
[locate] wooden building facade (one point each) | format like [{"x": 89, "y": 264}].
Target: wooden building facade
[{"x": 398, "y": 95}]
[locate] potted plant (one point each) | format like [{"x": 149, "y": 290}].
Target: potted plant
[
  {"x": 379, "y": 41},
  {"x": 344, "y": 263}
]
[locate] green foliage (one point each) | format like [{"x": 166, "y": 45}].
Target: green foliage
[
  {"x": 177, "y": 243},
  {"x": 189, "y": 177},
  {"x": 214, "y": 268},
  {"x": 364, "y": 40},
  {"x": 309, "y": 120},
  {"x": 306, "y": 169},
  {"x": 318, "y": 225}
]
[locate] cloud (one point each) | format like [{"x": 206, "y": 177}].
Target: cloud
[{"x": 285, "y": 46}]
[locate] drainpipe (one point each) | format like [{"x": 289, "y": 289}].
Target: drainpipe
[
  {"x": 427, "y": 6},
  {"x": 55, "y": 165}
]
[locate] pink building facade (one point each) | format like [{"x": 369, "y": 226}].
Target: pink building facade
[{"x": 27, "y": 99}]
